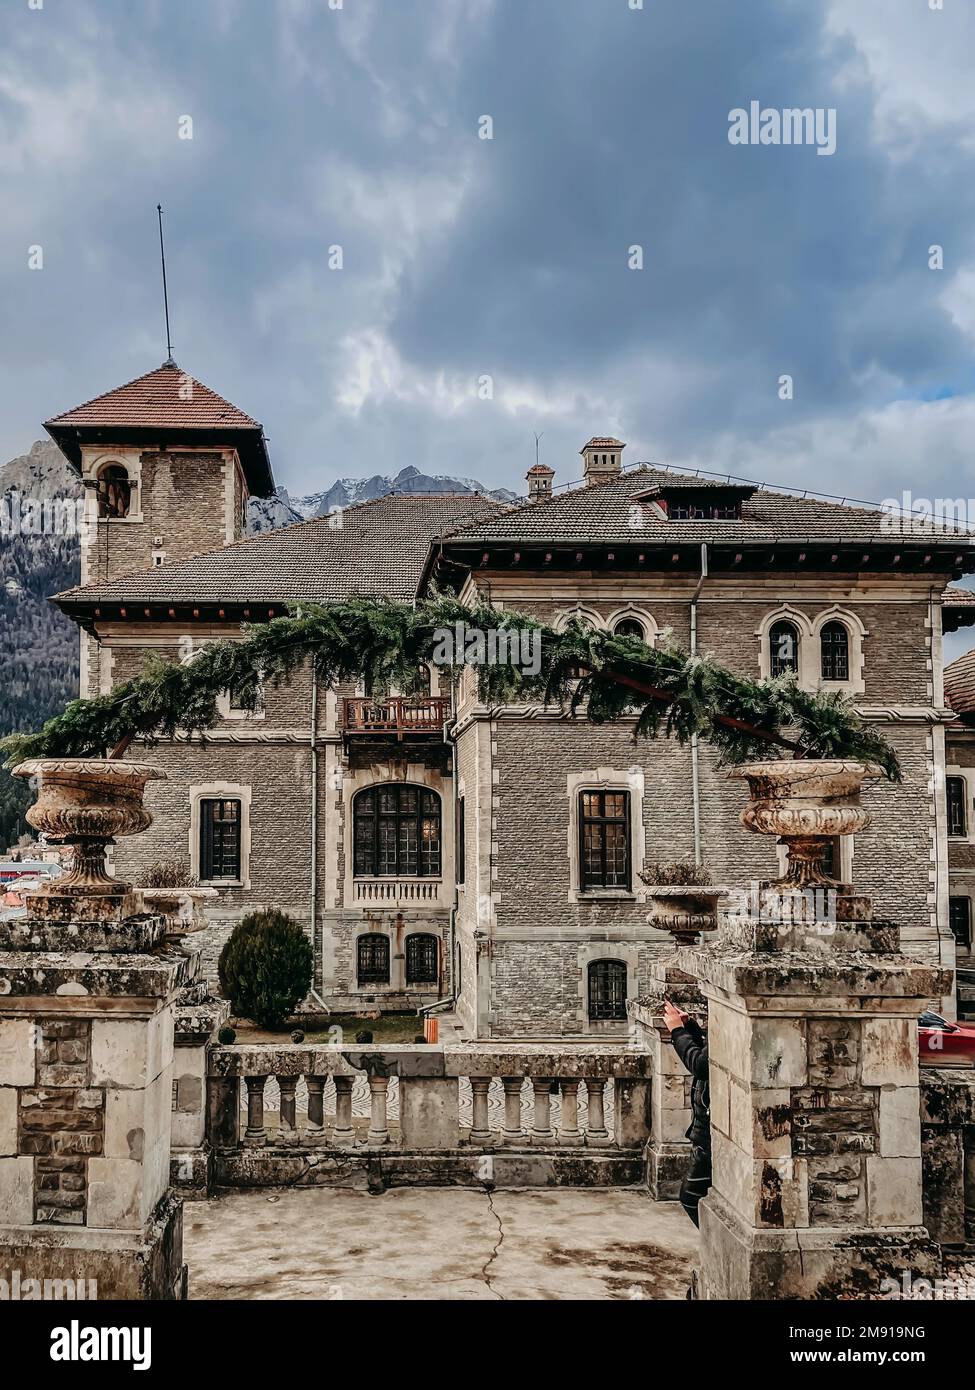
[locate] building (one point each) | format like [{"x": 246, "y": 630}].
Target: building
[{"x": 437, "y": 848}]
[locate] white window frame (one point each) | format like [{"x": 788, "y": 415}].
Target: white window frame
[
  {"x": 221, "y": 791},
  {"x": 611, "y": 779}
]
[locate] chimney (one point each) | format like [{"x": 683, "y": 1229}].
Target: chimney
[
  {"x": 539, "y": 479},
  {"x": 602, "y": 459}
]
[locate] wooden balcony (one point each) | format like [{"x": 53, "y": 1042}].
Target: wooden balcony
[{"x": 398, "y": 715}]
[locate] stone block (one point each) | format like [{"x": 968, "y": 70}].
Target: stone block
[
  {"x": 720, "y": 1085},
  {"x": 125, "y": 1122},
  {"x": 115, "y": 1194},
  {"x": 893, "y": 1191},
  {"x": 19, "y": 1041},
  {"x": 119, "y": 1053},
  {"x": 770, "y": 1127},
  {"x": 16, "y": 1191},
  {"x": 888, "y": 1054},
  {"x": 900, "y": 1123},
  {"x": 8, "y": 1121},
  {"x": 778, "y": 1053}
]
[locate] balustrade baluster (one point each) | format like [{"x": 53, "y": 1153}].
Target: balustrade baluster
[
  {"x": 596, "y": 1131},
  {"x": 481, "y": 1128},
  {"x": 542, "y": 1111},
  {"x": 343, "y": 1132},
  {"x": 289, "y": 1129},
  {"x": 255, "y": 1134},
  {"x": 569, "y": 1132},
  {"x": 378, "y": 1130},
  {"x": 511, "y": 1134},
  {"x": 315, "y": 1133}
]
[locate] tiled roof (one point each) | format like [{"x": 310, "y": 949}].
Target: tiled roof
[
  {"x": 164, "y": 402},
  {"x": 380, "y": 548},
  {"x": 608, "y": 512},
  {"x": 600, "y": 441},
  {"x": 167, "y": 398},
  {"x": 957, "y": 597},
  {"x": 960, "y": 684}
]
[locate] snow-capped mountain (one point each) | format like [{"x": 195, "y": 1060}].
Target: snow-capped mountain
[{"x": 282, "y": 509}]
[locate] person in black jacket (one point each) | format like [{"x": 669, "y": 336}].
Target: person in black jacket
[{"x": 691, "y": 1047}]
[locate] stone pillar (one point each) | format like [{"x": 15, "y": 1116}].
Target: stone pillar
[
  {"x": 481, "y": 1125},
  {"x": 288, "y": 1133},
  {"x": 378, "y": 1128},
  {"x": 542, "y": 1111},
  {"x": 428, "y": 1114},
  {"x": 196, "y": 1018},
  {"x": 343, "y": 1132},
  {"x": 511, "y": 1134},
  {"x": 596, "y": 1131},
  {"x": 815, "y": 1108},
  {"x": 668, "y": 1150},
  {"x": 86, "y": 1087},
  {"x": 255, "y": 1135},
  {"x": 569, "y": 1132},
  {"x": 315, "y": 1133}
]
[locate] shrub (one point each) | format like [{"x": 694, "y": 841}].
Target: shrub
[
  {"x": 363, "y": 1036},
  {"x": 682, "y": 872},
  {"x": 265, "y": 968},
  {"x": 227, "y": 1035},
  {"x": 168, "y": 873},
  {"x": 297, "y": 1036},
  {"x": 419, "y": 1038}
]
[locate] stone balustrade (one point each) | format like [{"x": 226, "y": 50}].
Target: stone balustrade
[{"x": 566, "y": 1114}]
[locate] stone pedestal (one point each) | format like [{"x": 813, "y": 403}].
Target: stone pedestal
[
  {"x": 86, "y": 1086},
  {"x": 815, "y": 1109},
  {"x": 668, "y": 1151},
  {"x": 196, "y": 1018}
]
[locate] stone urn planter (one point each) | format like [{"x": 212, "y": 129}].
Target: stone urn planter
[
  {"x": 684, "y": 909},
  {"x": 806, "y": 802},
  {"x": 183, "y": 908},
  {"x": 86, "y": 803}
]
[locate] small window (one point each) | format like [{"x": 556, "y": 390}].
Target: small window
[
  {"x": 607, "y": 990},
  {"x": 960, "y": 921},
  {"x": 461, "y": 851},
  {"x": 422, "y": 959},
  {"x": 604, "y": 839},
  {"x": 834, "y": 643},
  {"x": 238, "y": 696},
  {"x": 957, "y": 802},
  {"x": 220, "y": 840},
  {"x": 372, "y": 959},
  {"x": 831, "y": 857},
  {"x": 396, "y": 830},
  {"x": 783, "y": 648},
  {"x": 630, "y": 627},
  {"x": 114, "y": 491}
]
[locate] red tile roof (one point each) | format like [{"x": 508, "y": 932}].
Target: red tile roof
[
  {"x": 165, "y": 402},
  {"x": 602, "y": 442},
  {"x": 960, "y": 684},
  {"x": 167, "y": 398}
]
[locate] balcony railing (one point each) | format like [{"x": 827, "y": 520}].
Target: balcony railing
[{"x": 399, "y": 715}]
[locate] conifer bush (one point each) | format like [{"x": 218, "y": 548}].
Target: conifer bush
[{"x": 265, "y": 968}]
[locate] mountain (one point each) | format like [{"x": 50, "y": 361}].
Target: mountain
[{"x": 265, "y": 513}]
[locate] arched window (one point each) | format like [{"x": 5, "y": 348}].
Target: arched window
[
  {"x": 783, "y": 648},
  {"x": 630, "y": 627},
  {"x": 372, "y": 959},
  {"x": 834, "y": 645},
  {"x": 396, "y": 830},
  {"x": 607, "y": 989},
  {"x": 114, "y": 491},
  {"x": 422, "y": 959}
]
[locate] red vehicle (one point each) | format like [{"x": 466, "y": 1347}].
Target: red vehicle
[{"x": 943, "y": 1043}]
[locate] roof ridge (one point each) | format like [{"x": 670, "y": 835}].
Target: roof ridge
[{"x": 536, "y": 503}]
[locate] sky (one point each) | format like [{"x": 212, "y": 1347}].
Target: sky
[{"x": 488, "y": 288}]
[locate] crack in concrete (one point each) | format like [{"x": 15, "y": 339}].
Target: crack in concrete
[{"x": 497, "y": 1247}]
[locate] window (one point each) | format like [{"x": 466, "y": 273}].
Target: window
[
  {"x": 372, "y": 959},
  {"x": 607, "y": 990},
  {"x": 630, "y": 627},
  {"x": 114, "y": 491},
  {"x": 396, "y": 830},
  {"x": 220, "y": 840},
  {"x": 422, "y": 959},
  {"x": 960, "y": 921},
  {"x": 831, "y": 857},
  {"x": 834, "y": 643},
  {"x": 604, "y": 839},
  {"x": 703, "y": 511},
  {"x": 461, "y": 852},
  {"x": 957, "y": 800},
  {"x": 783, "y": 648}
]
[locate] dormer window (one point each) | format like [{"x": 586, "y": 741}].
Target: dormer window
[
  {"x": 721, "y": 502},
  {"x": 114, "y": 491}
]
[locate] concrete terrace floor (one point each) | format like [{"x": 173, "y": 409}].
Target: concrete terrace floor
[{"x": 438, "y": 1243}]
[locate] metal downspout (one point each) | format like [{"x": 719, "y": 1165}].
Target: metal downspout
[{"x": 695, "y": 771}]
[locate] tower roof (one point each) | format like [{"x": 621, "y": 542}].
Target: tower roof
[{"x": 165, "y": 404}]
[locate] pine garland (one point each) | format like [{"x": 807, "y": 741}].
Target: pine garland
[{"x": 385, "y": 643}]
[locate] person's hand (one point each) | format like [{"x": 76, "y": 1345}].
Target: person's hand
[{"x": 673, "y": 1018}]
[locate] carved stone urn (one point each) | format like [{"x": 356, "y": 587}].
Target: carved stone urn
[
  {"x": 86, "y": 803},
  {"x": 685, "y": 909},
  {"x": 806, "y": 802},
  {"x": 183, "y": 908}
]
